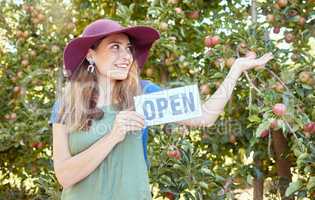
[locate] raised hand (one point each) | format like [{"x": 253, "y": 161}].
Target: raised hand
[{"x": 250, "y": 61}]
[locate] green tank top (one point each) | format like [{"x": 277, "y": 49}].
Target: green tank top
[{"x": 121, "y": 175}]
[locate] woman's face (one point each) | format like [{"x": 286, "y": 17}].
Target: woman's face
[{"x": 113, "y": 56}]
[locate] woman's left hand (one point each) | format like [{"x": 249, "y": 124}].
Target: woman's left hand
[{"x": 250, "y": 61}]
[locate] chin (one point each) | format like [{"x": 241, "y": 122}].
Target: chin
[{"x": 119, "y": 77}]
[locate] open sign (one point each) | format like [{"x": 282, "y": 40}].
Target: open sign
[{"x": 169, "y": 105}]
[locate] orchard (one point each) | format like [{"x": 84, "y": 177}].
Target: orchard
[{"x": 261, "y": 147}]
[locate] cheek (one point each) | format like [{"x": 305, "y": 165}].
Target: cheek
[{"x": 104, "y": 63}]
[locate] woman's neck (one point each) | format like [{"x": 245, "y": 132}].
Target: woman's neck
[{"x": 106, "y": 86}]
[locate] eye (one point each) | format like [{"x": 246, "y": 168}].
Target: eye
[{"x": 115, "y": 45}]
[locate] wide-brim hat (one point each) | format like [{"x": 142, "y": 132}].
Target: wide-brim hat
[{"x": 76, "y": 50}]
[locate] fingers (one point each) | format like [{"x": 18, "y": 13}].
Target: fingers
[
  {"x": 132, "y": 127},
  {"x": 131, "y": 116},
  {"x": 263, "y": 60}
]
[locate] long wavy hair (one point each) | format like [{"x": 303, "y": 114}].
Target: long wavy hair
[{"x": 81, "y": 92}]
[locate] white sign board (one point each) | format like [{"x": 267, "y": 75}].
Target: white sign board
[{"x": 169, "y": 105}]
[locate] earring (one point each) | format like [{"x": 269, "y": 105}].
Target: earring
[{"x": 91, "y": 66}]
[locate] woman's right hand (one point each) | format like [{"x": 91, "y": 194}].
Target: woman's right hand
[{"x": 127, "y": 121}]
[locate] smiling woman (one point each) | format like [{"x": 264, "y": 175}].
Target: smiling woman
[{"x": 93, "y": 156}]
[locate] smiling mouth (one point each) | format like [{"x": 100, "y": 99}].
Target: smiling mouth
[{"x": 122, "y": 66}]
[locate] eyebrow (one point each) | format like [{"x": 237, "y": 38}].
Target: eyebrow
[{"x": 114, "y": 41}]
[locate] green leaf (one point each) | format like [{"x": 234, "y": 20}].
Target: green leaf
[
  {"x": 287, "y": 76},
  {"x": 254, "y": 118},
  {"x": 293, "y": 187},
  {"x": 311, "y": 183}
]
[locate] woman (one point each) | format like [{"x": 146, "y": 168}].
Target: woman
[{"x": 94, "y": 157}]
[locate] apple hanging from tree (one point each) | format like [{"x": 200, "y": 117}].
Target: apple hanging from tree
[
  {"x": 178, "y": 10},
  {"x": 232, "y": 139},
  {"x": 288, "y": 37},
  {"x": 170, "y": 195},
  {"x": 279, "y": 109},
  {"x": 282, "y": 3},
  {"x": 193, "y": 15},
  {"x": 270, "y": 18},
  {"x": 309, "y": 129},
  {"x": 264, "y": 133},
  {"x": 278, "y": 87},
  {"x": 174, "y": 154},
  {"x": 211, "y": 41},
  {"x": 304, "y": 76},
  {"x": 276, "y": 30}
]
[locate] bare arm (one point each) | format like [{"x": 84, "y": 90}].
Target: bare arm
[
  {"x": 71, "y": 169},
  {"x": 212, "y": 108}
]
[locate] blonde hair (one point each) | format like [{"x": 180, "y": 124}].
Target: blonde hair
[{"x": 81, "y": 92}]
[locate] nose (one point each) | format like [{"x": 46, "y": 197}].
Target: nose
[{"x": 126, "y": 56}]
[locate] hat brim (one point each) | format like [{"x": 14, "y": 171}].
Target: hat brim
[{"x": 142, "y": 36}]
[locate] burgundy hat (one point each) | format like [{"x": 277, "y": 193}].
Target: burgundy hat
[{"x": 76, "y": 50}]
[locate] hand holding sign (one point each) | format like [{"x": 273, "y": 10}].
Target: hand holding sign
[
  {"x": 126, "y": 121},
  {"x": 169, "y": 105}
]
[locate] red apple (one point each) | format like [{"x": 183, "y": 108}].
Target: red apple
[
  {"x": 309, "y": 128},
  {"x": 41, "y": 17},
  {"x": 276, "y": 30},
  {"x": 279, "y": 109},
  {"x": 174, "y": 154},
  {"x": 170, "y": 195},
  {"x": 242, "y": 45},
  {"x": 33, "y": 53},
  {"x": 13, "y": 116},
  {"x": 193, "y": 14},
  {"x": 304, "y": 76},
  {"x": 215, "y": 40},
  {"x": 282, "y": 3},
  {"x": 288, "y": 37},
  {"x": 276, "y": 6},
  {"x": 208, "y": 41},
  {"x": 178, "y": 10},
  {"x": 264, "y": 134},
  {"x": 301, "y": 21},
  {"x": 7, "y": 116},
  {"x": 19, "y": 34},
  {"x": 270, "y": 18},
  {"x": 40, "y": 145},
  {"x": 25, "y": 62},
  {"x": 25, "y": 34},
  {"x": 35, "y": 144},
  {"x": 232, "y": 139},
  {"x": 17, "y": 89},
  {"x": 278, "y": 87}
]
